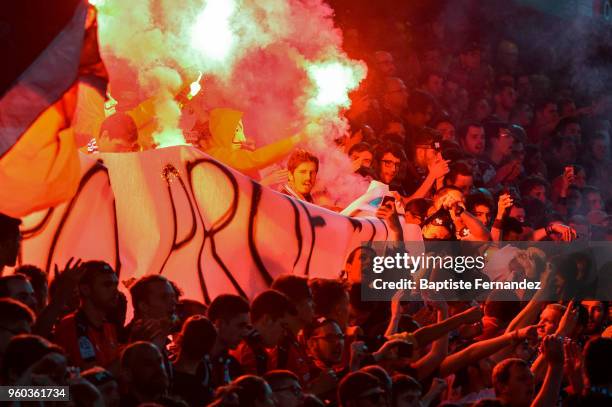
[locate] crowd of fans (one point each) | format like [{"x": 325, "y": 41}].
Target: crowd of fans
[{"x": 473, "y": 146}]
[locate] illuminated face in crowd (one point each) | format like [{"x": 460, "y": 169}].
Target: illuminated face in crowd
[
  {"x": 361, "y": 260},
  {"x": 389, "y": 167},
  {"x": 303, "y": 178},
  {"x": 327, "y": 343},
  {"x": 474, "y": 142},
  {"x": 549, "y": 321},
  {"x": 482, "y": 213}
]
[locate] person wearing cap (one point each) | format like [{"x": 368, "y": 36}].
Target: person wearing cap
[{"x": 428, "y": 167}]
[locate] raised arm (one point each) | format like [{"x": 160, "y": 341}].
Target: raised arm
[
  {"x": 430, "y": 333},
  {"x": 483, "y": 349},
  {"x": 427, "y": 365},
  {"x": 552, "y": 351}
]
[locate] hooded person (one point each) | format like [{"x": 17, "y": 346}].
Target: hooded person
[{"x": 226, "y": 144}]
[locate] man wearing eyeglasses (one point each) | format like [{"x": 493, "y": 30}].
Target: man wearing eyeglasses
[
  {"x": 286, "y": 388},
  {"x": 325, "y": 342},
  {"x": 388, "y": 159}
]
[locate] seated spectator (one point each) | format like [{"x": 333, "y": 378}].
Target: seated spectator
[
  {"x": 89, "y": 339},
  {"x": 191, "y": 379},
  {"x": 303, "y": 168},
  {"x": 18, "y": 287},
  {"x": 230, "y": 316},
  {"x": 143, "y": 376}
]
